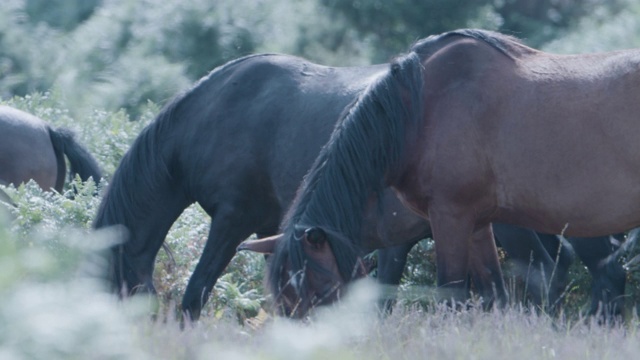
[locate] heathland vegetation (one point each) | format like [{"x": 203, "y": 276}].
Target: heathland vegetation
[{"x": 104, "y": 68}]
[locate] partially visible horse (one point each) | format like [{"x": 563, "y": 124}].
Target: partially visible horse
[
  {"x": 470, "y": 127},
  {"x": 30, "y": 149},
  {"x": 542, "y": 261}
]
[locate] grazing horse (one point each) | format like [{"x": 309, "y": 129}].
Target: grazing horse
[
  {"x": 470, "y": 127},
  {"x": 238, "y": 143},
  {"x": 31, "y": 150}
]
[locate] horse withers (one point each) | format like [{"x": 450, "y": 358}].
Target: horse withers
[{"x": 471, "y": 127}]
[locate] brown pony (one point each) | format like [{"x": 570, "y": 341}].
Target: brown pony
[
  {"x": 31, "y": 150},
  {"x": 469, "y": 127}
]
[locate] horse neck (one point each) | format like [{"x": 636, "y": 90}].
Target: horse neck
[{"x": 364, "y": 149}]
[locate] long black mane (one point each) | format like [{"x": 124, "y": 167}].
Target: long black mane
[
  {"x": 365, "y": 146},
  {"x": 366, "y": 143}
]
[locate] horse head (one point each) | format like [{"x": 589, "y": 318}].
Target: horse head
[{"x": 304, "y": 274}]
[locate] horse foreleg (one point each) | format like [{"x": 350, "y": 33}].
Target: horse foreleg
[
  {"x": 133, "y": 261},
  {"x": 391, "y": 262},
  {"x": 452, "y": 237},
  {"x": 228, "y": 229},
  {"x": 484, "y": 267}
]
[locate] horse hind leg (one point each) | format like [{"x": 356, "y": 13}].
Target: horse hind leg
[
  {"x": 544, "y": 281},
  {"x": 608, "y": 284},
  {"x": 229, "y": 227}
]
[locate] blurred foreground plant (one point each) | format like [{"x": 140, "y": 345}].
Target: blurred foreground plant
[{"x": 51, "y": 304}]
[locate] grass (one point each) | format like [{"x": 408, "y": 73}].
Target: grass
[{"x": 54, "y": 307}]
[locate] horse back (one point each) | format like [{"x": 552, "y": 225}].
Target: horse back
[
  {"x": 261, "y": 121},
  {"x": 537, "y": 135}
]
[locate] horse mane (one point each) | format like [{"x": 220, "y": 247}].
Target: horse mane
[
  {"x": 363, "y": 150},
  {"x": 365, "y": 145}
]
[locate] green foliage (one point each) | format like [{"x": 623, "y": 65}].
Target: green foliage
[
  {"x": 604, "y": 30},
  {"x": 108, "y": 136},
  {"x": 543, "y": 20},
  {"x": 63, "y": 14},
  {"x": 120, "y": 54},
  {"x": 37, "y": 209},
  {"x": 101, "y": 67},
  {"x": 29, "y": 53},
  {"x": 50, "y": 304},
  {"x": 126, "y": 53},
  {"x": 394, "y": 25}
]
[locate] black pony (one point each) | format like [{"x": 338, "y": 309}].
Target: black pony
[{"x": 238, "y": 143}]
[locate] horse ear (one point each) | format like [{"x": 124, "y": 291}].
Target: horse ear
[
  {"x": 264, "y": 246},
  {"x": 315, "y": 236}
]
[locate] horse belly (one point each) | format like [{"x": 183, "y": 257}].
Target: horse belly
[
  {"x": 577, "y": 187},
  {"x": 582, "y": 215},
  {"x": 565, "y": 154}
]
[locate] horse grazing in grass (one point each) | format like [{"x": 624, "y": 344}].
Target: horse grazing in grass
[
  {"x": 30, "y": 149},
  {"x": 470, "y": 127},
  {"x": 238, "y": 143}
]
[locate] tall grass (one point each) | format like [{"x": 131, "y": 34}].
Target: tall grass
[{"x": 55, "y": 309}]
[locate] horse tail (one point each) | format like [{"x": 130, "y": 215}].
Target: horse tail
[{"x": 80, "y": 160}]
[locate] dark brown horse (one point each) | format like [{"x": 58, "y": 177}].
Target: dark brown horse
[
  {"x": 31, "y": 150},
  {"x": 470, "y": 127}
]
